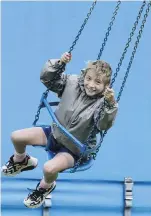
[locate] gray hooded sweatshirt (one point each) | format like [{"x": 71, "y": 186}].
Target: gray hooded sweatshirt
[{"x": 76, "y": 110}]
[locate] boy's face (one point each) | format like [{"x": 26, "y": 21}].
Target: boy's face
[{"x": 93, "y": 83}]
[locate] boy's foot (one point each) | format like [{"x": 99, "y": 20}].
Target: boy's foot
[
  {"x": 12, "y": 168},
  {"x": 37, "y": 197}
]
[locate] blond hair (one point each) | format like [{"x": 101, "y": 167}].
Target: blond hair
[{"x": 102, "y": 68}]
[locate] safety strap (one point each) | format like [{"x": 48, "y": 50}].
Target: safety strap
[{"x": 128, "y": 196}]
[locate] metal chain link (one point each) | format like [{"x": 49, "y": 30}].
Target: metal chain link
[
  {"x": 109, "y": 29},
  {"x": 45, "y": 94},
  {"x": 82, "y": 26},
  {"x": 94, "y": 128}
]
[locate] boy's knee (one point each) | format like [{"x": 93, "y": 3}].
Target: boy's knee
[
  {"x": 16, "y": 136},
  {"x": 49, "y": 168}
]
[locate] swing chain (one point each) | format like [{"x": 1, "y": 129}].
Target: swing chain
[
  {"x": 127, "y": 44},
  {"x": 128, "y": 68},
  {"x": 77, "y": 164},
  {"x": 82, "y": 26},
  {"x": 45, "y": 94},
  {"x": 116, "y": 73},
  {"x": 37, "y": 115},
  {"x": 92, "y": 132},
  {"x": 62, "y": 66},
  {"x": 109, "y": 29},
  {"x": 100, "y": 115},
  {"x": 134, "y": 50}
]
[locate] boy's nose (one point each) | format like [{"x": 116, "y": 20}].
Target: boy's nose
[{"x": 91, "y": 85}]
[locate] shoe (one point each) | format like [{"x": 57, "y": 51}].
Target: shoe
[
  {"x": 37, "y": 197},
  {"x": 12, "y": 168}
]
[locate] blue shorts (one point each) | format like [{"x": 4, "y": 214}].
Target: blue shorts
[{"x": 53, "y": 145}]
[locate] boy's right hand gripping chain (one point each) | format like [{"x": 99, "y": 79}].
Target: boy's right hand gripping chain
[{"x": 65, "y": 58}]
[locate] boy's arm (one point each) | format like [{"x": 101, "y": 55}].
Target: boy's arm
[
  {"x": 108, "y": 116},
  {"x": 48, "y": 73}
]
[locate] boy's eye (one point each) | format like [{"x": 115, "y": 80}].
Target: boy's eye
[
  {"x": 88, "y": 78},
  {"x": 98, "y": 82}
]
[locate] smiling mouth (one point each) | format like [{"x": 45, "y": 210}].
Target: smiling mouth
[{"x": 91, "y": 91}]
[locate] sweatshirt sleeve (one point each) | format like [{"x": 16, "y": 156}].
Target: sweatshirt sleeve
[
  {"x": 107, "y": 118},
  {"x": 50, "y": 70}
]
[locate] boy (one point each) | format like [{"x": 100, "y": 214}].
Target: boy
[{"x": 81, "y": 98}]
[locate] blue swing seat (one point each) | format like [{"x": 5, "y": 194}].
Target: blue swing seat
[
  {"x": 82, "y": 148},
  {"x": 84, "y": 166}
]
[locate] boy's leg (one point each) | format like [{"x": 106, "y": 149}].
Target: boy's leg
[
  {"x": 61, "y": 161},
  {"x": 28, "y": 136},
  {"x": 20, "y": 161}
]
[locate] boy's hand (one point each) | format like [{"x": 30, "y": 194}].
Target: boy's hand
[
  {"x": 109, "y": 96},
  {"x": 66, "y": 58}
]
